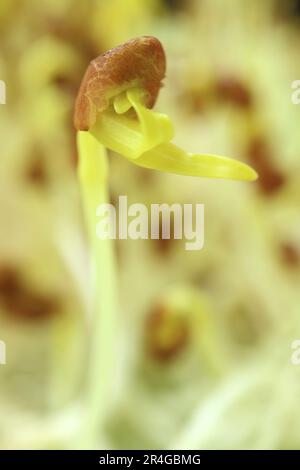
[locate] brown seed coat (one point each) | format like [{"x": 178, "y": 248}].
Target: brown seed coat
[{"x": 139, "y": 62}]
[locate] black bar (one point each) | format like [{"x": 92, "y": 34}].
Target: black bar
[{"x": 134, "y": 459}]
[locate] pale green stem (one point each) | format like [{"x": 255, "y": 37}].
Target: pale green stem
[{"x": 92, "y": 173}]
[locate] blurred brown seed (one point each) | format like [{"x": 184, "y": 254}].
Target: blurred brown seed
[
  {"x": 193, "y": 100},
  {"x": 290, "y": 254},
  {"x": 233, "y": 90},
  {"x": 176, "y": 5},
  {"x": 270, "y": 179},
  {"x": 167, "y": 334},
  {"x": 21, "y": 302},
  {"x": 31, "y": 306},
  {"x": 9, "y": 280},
  {"x": 36, "y": 172},
  {"x": 164, "y": 246}
]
